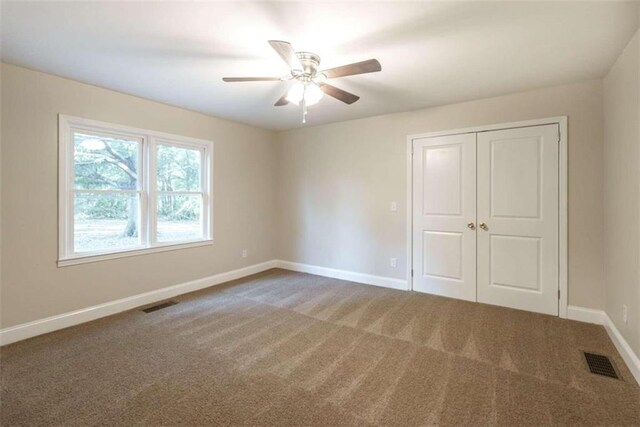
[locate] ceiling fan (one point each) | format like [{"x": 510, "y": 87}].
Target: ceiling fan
[{"x": 310, "y": 84}]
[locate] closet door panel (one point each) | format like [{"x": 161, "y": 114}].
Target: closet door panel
[
  {"x": 517, "y": 182},
  {"x": 444, "y": 203}
]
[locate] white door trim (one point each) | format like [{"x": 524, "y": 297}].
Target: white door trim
[{"x": 563, "y": 261}]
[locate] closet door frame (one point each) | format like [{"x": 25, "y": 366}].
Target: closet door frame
[{"x": 563, "y": 202}]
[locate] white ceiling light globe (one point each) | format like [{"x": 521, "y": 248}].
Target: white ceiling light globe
[
  {"x": 313, "y": 94},
  {"x": 296, "y": 93}
]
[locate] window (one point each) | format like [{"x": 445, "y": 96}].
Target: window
[{"x": 127, "y": 191}]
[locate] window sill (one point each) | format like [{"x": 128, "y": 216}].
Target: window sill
[{"x": 84, "y": 259}]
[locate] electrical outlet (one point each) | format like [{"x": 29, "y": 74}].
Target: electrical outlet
[
  {"x": 624, "y": 313},
  {"x": 394, "y": 206},
  {"x": 393, "y": 262},
  {"x": 244, "y": 253}
]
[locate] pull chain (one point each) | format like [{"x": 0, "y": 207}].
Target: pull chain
[{"x": 304, "y": 105}]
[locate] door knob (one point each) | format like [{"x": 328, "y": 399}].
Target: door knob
[
  {"x": 483, "y": 226},
  {"x": 471, "y": 226}
]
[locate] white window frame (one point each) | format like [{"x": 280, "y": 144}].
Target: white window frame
[{"x": 149, "y": 141}]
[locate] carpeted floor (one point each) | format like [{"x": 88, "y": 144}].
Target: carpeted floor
[{"x": 284, "y": 348}]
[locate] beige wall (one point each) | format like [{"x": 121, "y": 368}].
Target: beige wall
[
  {"x": 33, "y": 287},
  {"x": 317, "y": 195},
  {"x": 622, "y": 192},
  {"x": 335, "y": 183}
]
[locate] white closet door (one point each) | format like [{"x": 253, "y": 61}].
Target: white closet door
[
  {"x": 444, "y": 203},
  {"x": 518, "y": 204}
]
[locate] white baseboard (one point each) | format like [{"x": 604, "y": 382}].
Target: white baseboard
[
  {"x": 625, "y": 350},
  {"x": 351, "y": 276},
  {"x": 600, "y": 317},
  {"x": 54, "y": 323},
  {"x": 583, "y": 314}
]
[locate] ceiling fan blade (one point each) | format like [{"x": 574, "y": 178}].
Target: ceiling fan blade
[
  {"x": 342, "y": 95},
  {"x": 286, "y": 52},
  {"x": 369, "y": 66},
  {"x": 282, "y": 101},
  {"x": 251, "y": 79}
]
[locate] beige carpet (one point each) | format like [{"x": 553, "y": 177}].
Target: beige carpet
[{"x": 283, "y": 348}]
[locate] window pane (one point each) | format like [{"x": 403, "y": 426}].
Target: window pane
[
  {"x": 102, "y": 162},
  {"x": 104, "y": 221},
  {"x": 179, "y": 217},
  {"x": 178, "y": 169}
]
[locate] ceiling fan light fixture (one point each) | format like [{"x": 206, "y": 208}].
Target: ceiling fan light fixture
[
  {"x": 310, "y": 92},
  {"x": 296, "y": 93}
]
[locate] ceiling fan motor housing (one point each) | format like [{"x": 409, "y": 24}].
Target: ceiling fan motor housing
[{"x": 310, "y": 62}]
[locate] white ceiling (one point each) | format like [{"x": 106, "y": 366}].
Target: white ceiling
[{"x": 432, "y": 53}]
